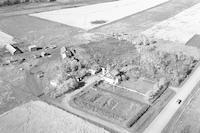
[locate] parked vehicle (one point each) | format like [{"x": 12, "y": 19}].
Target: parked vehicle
[{"x": 179, "y": 101}]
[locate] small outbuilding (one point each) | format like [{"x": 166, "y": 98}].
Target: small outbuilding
[
  {"x": 13, "y": 50},
  {"x": 63, "y": 52},
  {"x": 32, "y": 48}
]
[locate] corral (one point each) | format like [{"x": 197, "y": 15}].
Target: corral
[
  {"x": 141, "y": 85},
  {"x": 129, "y": 93}
]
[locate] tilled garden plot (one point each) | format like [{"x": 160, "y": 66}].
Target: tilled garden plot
[{"x": 108, "y": 106}]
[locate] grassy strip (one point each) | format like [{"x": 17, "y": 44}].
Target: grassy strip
[{"x": 153, "y": 111}]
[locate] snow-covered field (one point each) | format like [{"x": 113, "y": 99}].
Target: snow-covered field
[
  {"x": 39, "y": 117},
  {"x": 83, "y": 17},
  {"x": 179, "y": 28},
  {"x": 5, "y": 39}
]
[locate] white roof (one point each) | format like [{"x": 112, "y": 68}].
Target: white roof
[{"x": 5, "y": 39}]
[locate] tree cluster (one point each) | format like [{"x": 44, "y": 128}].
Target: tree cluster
[
  {"x": 174, "y": 66},
  {"x": 158, "y": 89}
]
